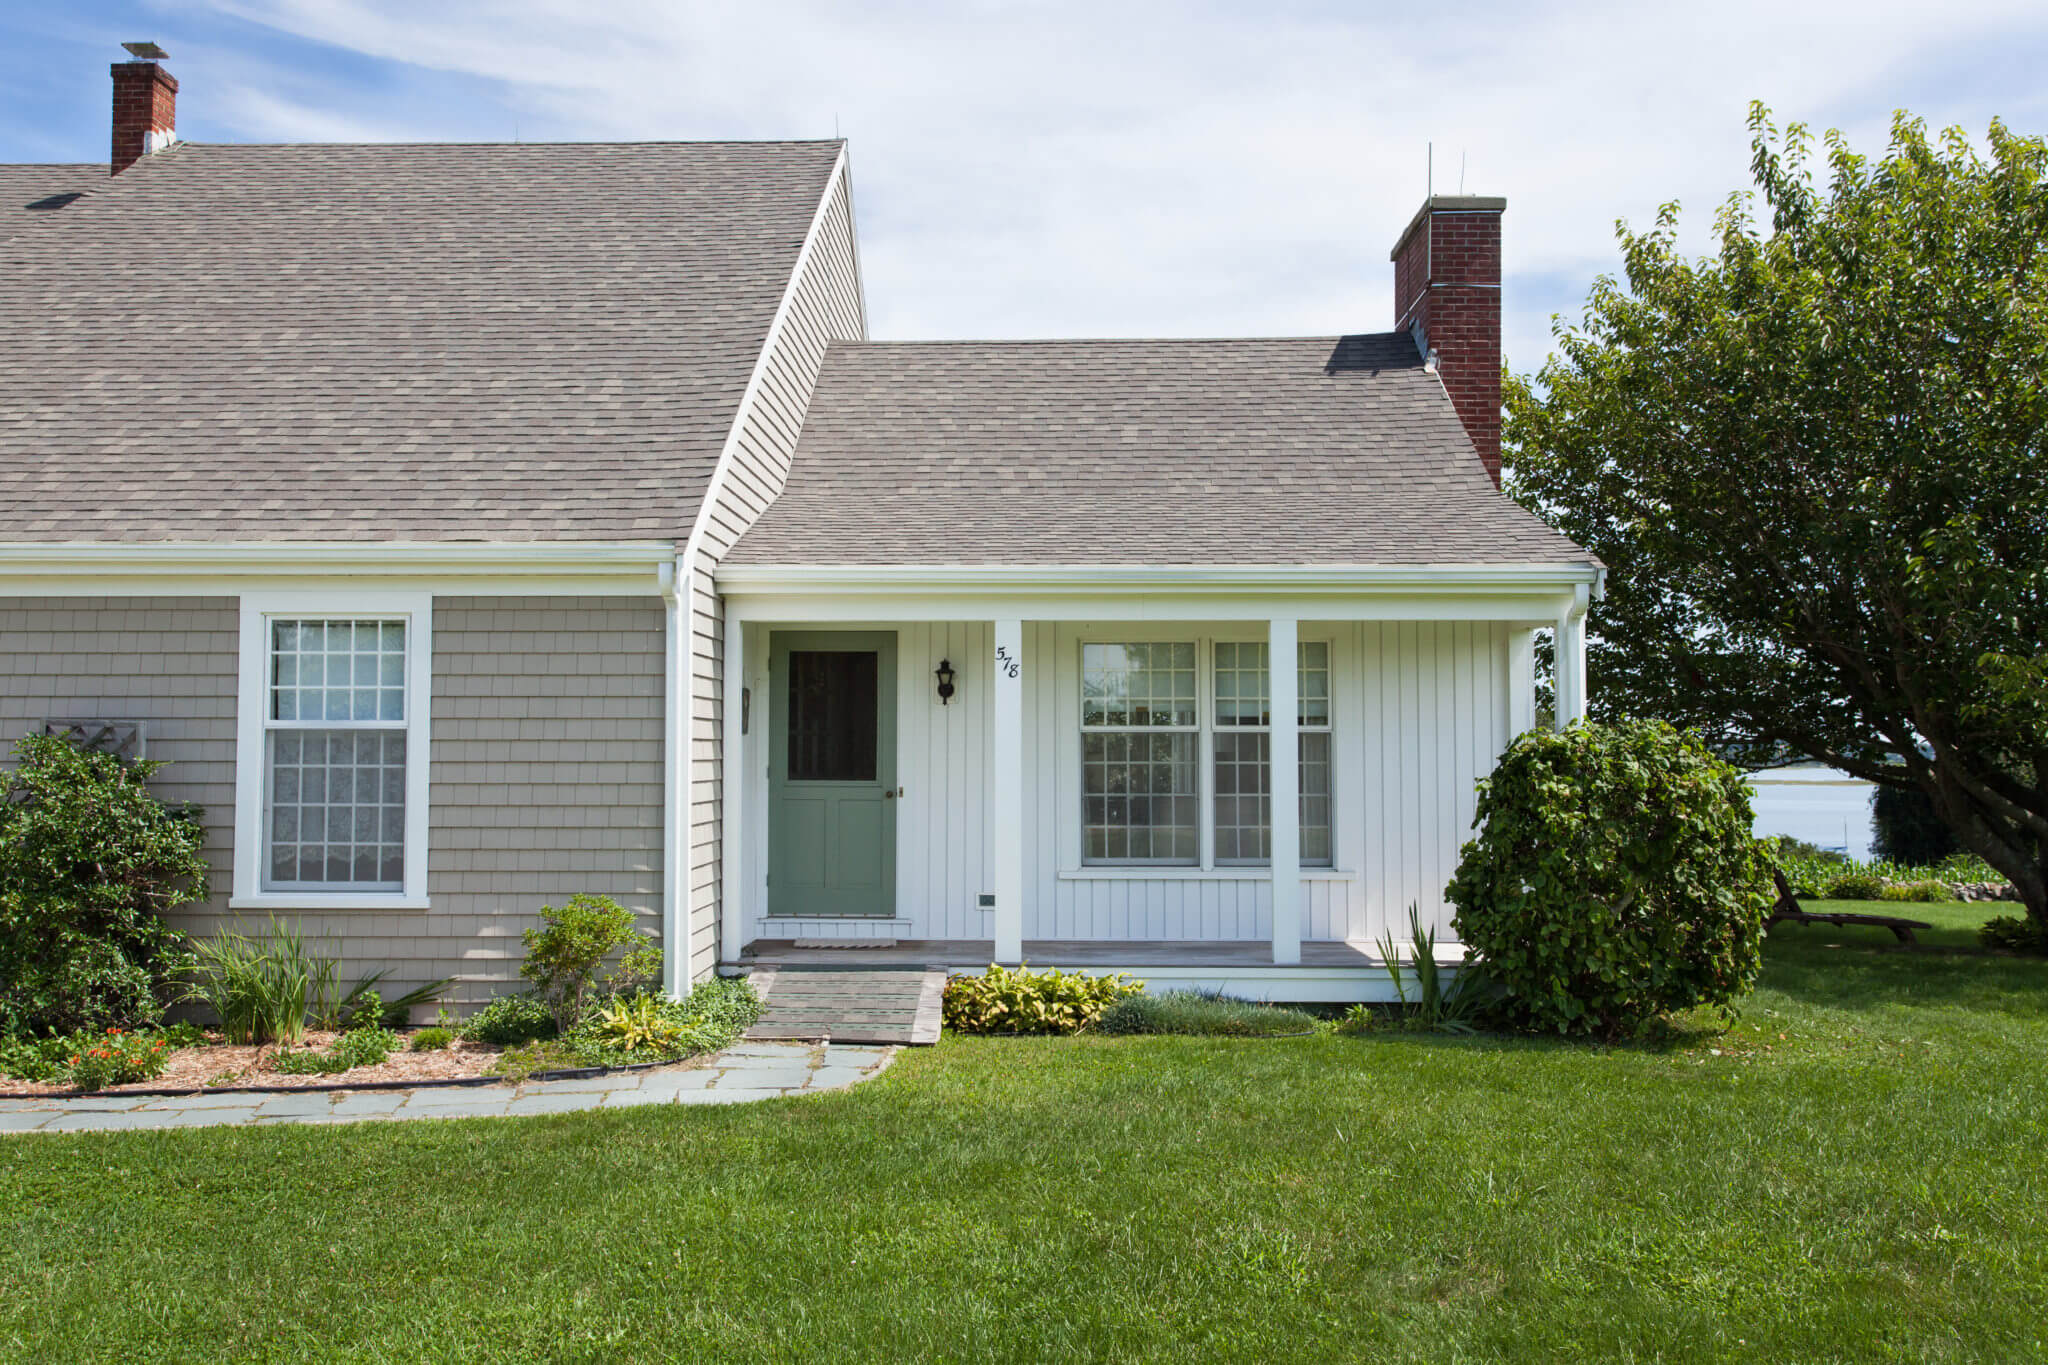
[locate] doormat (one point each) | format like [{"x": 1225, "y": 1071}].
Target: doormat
[{"x": 844, "y": 943}]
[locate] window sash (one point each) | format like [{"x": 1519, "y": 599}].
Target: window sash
[{"x": 336, "y": 782}]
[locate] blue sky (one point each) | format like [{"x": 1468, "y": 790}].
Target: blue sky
[{"x": 1097, "y": 168}]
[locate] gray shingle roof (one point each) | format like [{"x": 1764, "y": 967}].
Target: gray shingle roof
[
  {"x": 408, "y": 342},
  {"x": 1315, "y": 451}
]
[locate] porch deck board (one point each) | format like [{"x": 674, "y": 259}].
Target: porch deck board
[
  {"x": 1054, "y": 952},
  {"x": 890, "y": 1005}
]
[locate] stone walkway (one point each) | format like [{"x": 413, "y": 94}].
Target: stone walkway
[{"x": 743, "y": 1072}]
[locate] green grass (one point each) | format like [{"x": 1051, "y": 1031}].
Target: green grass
[{"x": 1853, "y": 1172}]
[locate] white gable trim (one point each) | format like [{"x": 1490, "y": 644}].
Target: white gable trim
[{"x": 721, "y": 472}]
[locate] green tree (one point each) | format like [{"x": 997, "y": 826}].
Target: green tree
[{"x": 1814, "y": 465}]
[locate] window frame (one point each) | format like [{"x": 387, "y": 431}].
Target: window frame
[
  {"x": 1327, "y": 727},
  {"x": 1205, "y": 639},
  {"x": 252, "y": 744},
  {"x": 1203, "y": 831}
]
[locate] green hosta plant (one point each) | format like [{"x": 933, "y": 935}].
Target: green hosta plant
[
  {"x": 1614, "y": 879},
  {"x": 638, "y": 1023},
  {"x": 1002, "y": 1000}
]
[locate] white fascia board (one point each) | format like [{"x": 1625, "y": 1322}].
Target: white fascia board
[
  {"x": 1098, "y": 580},
  {"x": 187, "y": 566}
]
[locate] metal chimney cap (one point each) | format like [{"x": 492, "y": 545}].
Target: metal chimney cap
[{"x": 145, "y": 52}]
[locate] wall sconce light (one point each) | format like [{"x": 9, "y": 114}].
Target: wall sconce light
[{"x": 945, "y": 675}]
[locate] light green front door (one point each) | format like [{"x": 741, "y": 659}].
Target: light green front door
[{"x": 832, "y": 773}]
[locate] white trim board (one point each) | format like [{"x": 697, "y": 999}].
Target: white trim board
[{"x": 553, "y": 568}]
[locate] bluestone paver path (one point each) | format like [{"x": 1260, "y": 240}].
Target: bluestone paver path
[{"x": 747, "y": 1071}]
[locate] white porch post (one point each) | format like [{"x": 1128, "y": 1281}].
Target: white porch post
[
  {"x": 733, "y": 883},
  {"x": 1521, "y": 681},
  {"x": 1285, "y": 766},
  {"x": 1571, "y": 662},
  {"x": 1006, "y": 797},
  {"x": 675, "y": 786}
]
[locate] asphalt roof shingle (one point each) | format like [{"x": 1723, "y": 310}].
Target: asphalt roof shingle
[
  {"x": 1300, "y": 451},
  {"x": 407, "y": 342}
]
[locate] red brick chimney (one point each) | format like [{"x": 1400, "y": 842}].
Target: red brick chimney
[
  {"x": 145, "y": 111},
  {"x": 1447, "y": 291}
]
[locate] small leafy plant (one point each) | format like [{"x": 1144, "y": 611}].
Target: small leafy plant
[
  {"x": 435, "y": 1039},
  {"x": 121, "y": 1057},
  {"x": 637, "y": 1023},
  {"x": 369, "y": 1046},
  {"x": 509, "y": 1020},
  {"x": 1002, "y": 1000}
]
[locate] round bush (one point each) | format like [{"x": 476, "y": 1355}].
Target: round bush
[{"x": 1614, "y": 879}]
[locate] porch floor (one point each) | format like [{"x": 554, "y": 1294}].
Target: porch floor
[{"x": 1077, "y": 952}]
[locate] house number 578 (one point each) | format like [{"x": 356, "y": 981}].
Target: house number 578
[{"x": 1010, "y": 665}]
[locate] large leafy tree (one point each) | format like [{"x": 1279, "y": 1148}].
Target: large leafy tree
[{"x": 1814, "y": 464}]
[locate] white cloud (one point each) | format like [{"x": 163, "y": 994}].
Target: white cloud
[{"x": 1110, "y": 169}]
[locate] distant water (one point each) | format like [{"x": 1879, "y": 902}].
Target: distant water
[{"x": 1816, "y": 804}]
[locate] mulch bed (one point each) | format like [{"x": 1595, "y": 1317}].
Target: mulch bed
[{"x": 221, "y": 1066}]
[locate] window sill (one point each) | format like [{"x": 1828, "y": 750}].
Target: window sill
[
  {"x": 1169, "y": 872},
  {"x": 328, "y": 900}
]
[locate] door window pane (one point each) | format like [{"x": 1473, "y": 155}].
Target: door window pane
[{"x": 832, "y": 715}]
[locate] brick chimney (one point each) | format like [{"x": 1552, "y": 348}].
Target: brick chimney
[
  {"x": 145, "y": 111},
  {"x": 1447, "y": 291}
]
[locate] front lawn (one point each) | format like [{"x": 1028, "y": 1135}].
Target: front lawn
[{"x": 1854, "y": 1172}]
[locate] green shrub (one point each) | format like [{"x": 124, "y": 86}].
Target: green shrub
[
  {"x": 1614, "y": 879},
  {"x": 1905, "y": 828},
  {"x": 509, "y": 1020},
  {"x": 2013, "y": 934},
  {"x": 89, "y": 862},
  {"x": 1858, "y": 885},
  {"x": 1355, "y": 1020},
  {"x": 433, "y": 1039},
  {"x": 1919, "y": 892},
  {"x": 564, "y": 953},
  {"x": 1023, "y": 1001},
  {"x": 1201, "y": 1013}
]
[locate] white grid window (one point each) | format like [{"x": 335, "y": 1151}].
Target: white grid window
[
  {"x": 1140, "y": 784},
  {"x": 1244, "y": 715},
  {"x": 335, "y": 755}
]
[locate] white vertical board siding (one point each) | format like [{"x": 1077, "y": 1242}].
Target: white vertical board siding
[
  {"x": 1434, "y": 704},
  {"x": 942, "y": 763},
  {"x": 1421, "y": 714},
  {"x": 824, "y": 305}
]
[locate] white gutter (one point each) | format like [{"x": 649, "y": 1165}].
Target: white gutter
[
  {"x": 1094, "y": 579},
  {"x": 440, "y": 558}
]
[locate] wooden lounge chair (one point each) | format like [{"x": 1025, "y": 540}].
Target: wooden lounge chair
[{"x": 1789, "y": 908}]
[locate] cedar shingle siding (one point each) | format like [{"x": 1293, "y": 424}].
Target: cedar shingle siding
[{"x": 547, "y": 767}]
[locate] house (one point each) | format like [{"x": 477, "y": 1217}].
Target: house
[{"x": 469, "y": 526}]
